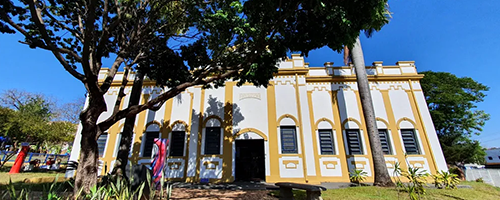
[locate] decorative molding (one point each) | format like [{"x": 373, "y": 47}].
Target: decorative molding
[
  {"x": 291, "y": 164},
  {"x": 249, "y": 96},
  {"x": 253, "y": 130}
]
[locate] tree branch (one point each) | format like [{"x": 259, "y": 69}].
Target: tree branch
[
  {"x": 76, "y": 34},
  {"x": 111, "y": 74},
  {"x": 121, "y": 92},
  {"x": 36, "y": 17},
  {"x": 88, "y": 36},
  {"x": 133, "y": 110}
]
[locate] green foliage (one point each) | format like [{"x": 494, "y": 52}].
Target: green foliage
[
  {"x": 417, "y": 179},
  {"x": 28, "y": 117},
  {"x": 357, "y": 176},
  {"x": 480, "y": 180},
  {"x": 176, "y": 42},
  {"x": 452, "y": 104},
  {"x": 112, "y": 188},
  {"x": 445, "y": 180},
  {"x": 7, "y": 7},
  {"x": 457, "y": 171},
  {"x": 53, "y": 191},
  {"x": 15, "y": 195}
]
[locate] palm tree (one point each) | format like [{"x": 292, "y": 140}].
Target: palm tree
[{"x": 382, "y": 177}]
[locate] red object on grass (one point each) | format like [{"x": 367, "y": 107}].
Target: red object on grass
[{"x": 19, "y": 160}]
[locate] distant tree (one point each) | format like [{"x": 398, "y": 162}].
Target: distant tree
[
  {"x": 29, "y": 117},
  {"x": 179, "y": 44},
  {"x": 452, "y": 104},
  {"x": 36, "y": 104},
  {"x": 70, "y": 112}
]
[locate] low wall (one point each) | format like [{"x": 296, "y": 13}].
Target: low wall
[{"x": 490, "y": 176}]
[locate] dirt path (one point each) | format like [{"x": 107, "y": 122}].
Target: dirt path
[{"x": 209, "y": 194}]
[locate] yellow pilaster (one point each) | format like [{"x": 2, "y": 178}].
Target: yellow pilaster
[
  {"x": 314, "y": 135},
  {"x": 395, "y": 136},
  {"x": 200, "y": 131},
  {"x": 340, "y": 136},
  {"x": 165, "y": 129},
  {"x": 302, "y": 141},
  {"x": 139, "y": 130},
  {"x": 365, "y": 135},
  {"x": 188, "y": 133},
  {"x": 227, "y": 147},
  {"x": 273, "y": 134}
]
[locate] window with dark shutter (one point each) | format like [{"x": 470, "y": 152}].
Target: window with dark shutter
[
  {"x": 326, "y": 142},
  {"x": 354, "y": 142},
  {"x": 149, "y": 143},
  {"x": 384, "y": 141},
  {"x": 177, "y": 143},
  {"x": 410, "y": 141},
  {"x": 288, "y": 140},
  {"x": 101, "y": 143},
  {"x": 212, "y": 141}
]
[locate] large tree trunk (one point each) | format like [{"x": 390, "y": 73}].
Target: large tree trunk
[
  {"x": 128, "y": 128},
  {"x": 382, "y": 177},
  {"x": 86, "y": 176}
]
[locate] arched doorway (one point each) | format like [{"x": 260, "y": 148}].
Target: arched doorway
[{"x": 249, "y": 157}]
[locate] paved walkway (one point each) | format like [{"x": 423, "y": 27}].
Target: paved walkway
[
  {"x": 228, "y": 186},
  {"x": 250, "y": 185}
]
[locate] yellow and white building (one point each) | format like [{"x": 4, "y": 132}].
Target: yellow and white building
[{"x": 306, "y": 126}]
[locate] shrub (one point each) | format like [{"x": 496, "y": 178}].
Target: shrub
[
  {"x": 357, "y": 176},
  {"x": 13, "y": 194},
  {"x": 480, "y": 180},
  {"x": 446, "y": 180},
  {"x": 456, "y": 170},
  {"x": 111, "y": 188},
  {"x": 417, "y": 179}
]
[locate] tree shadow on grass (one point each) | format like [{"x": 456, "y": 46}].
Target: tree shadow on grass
[{"x": 451, "y": 196}]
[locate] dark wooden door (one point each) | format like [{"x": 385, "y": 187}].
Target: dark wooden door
[{"x": 249, "y": 160}]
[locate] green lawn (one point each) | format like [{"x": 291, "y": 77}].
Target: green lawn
[
  {"x": 20, "y": 177},
  {"x": 480, "y": 191}
]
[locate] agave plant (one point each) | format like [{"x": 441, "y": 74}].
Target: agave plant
[{"x": 357, "y": 176}]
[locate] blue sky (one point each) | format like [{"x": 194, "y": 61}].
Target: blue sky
[{"x": 455, "y": 36}]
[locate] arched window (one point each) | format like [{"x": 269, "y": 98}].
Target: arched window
[
  {"x": 101, "y": 143},
  {"x": 288, "y": 132},
  {"x": 409, "y": 137},
  {"x": 152, "y": 132},
  {"x": 353, "y": 137},
  {"x": 383, "y": 134},
  {"x": 213, "y": 140},
  {"x": 325, "y": 137},
  {"x": 410, "y": 141},
  {"x": 177, "y": 139}
]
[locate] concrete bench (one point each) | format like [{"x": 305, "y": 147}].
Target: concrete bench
[{"x": 313, "y": 191}]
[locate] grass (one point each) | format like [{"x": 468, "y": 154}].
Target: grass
[
  {"x": 20, "y": 177},
  {"x": 479, "y": 191}
]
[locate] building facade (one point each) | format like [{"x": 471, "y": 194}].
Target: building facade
[{"x": 306, "y": 126}]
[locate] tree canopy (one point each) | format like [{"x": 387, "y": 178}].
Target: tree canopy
[
  {"x": 179, "y": 44},
  {"x": 452, "y": 103},
  {"x": 28, "y": 117},
  {"x": 184, "y": 43}
]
